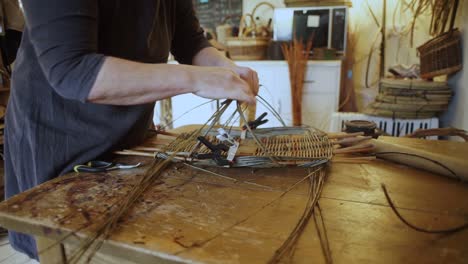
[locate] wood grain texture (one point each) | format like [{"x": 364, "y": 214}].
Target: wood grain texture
[
  {"x": 194, "y": 216},
  {"x": 442, "y": 157},
  {"x": 49, "y": 251}
]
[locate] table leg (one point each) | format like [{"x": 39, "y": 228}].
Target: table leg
[{"x": 50, "y": 252}]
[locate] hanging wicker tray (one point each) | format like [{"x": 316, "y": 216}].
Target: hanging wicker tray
[{"x": 441, "y": 55}]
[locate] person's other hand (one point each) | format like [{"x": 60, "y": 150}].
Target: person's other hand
[{"x": 238, "y": 83}]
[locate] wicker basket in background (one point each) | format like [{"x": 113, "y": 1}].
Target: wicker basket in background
[
  {"x": 253, "y": 40},
  {"x": 248, "y": 48},
  {"x": 441, "y": 55},
  {"x": 300, "y": 3}
]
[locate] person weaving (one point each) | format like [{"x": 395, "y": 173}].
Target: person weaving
[{"x": 87, "y": 75}]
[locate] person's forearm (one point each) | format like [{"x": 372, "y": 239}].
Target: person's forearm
[
  {"x": 124, "y": 82},
  {"x": 212, "y": 57}
]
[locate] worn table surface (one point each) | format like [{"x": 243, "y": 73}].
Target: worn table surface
[{"x": 194, "y": 216}]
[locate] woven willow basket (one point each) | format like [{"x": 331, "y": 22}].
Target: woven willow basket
[
  {"x": 441, "y": 55},
  {"x": 287, "y": 145},
  {"x": 247, "y": 48}
]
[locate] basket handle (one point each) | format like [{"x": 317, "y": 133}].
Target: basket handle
[
  {"x": 259, "y": 5},
  {"x": 243, "y": 25}
]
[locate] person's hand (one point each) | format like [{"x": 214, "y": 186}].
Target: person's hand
[
  {"x": 226, "y": 83},
  {"x": 248, "y": 75}
]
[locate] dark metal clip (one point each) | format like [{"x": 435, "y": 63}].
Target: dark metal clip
[
  {"x": 257, "y": 122},
  {"x": 216, "y": 151}
]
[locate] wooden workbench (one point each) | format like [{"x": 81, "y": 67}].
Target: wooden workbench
[{"x": 193, "y": 216}]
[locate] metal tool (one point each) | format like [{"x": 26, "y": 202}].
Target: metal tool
[
  {"x": 104, "y": 166},
  {"x": 257, "y": 122},
  {"x": 216, "y": 151}
]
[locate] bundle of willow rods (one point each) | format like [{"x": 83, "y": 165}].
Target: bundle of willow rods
[
  {"x": 442, "y": 12},
  {"x": 410, "y": 99},
  {"x": 418, "y": 8},
  {"x": 286, "y": 251},
  {"x": 89, "y": 246},
  {"x": 297, "y": 55},
  {"x": 104, "y": 230}
]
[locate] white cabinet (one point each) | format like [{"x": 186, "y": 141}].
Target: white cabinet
[
  {"x": 321, "y": 93},
  {"x": 275, "y": 89},
  {"x": 190, "y": 109},
  {"x": 320, "y": 100}
]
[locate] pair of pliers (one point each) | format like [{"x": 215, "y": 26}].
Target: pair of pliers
[{"x": 104, "y": 166}]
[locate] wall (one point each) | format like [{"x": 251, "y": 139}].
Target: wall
[{"x": 457, "y": 116}]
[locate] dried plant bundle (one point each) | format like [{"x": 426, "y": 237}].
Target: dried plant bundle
[{"x": 297, "y": 55}]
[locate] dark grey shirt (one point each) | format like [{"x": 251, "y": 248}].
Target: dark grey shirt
[{"x": 49, "y": 125}]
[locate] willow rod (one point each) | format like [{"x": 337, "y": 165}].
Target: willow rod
[{"x": 93, "y": 243}]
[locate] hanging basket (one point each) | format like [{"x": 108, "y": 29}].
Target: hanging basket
[{"x": 441, "y": 55}]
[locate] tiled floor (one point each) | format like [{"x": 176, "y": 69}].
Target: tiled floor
[{"x": 9, "y": 256}]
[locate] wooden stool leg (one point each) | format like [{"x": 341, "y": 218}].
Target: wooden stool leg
[{"x": 50, "y": 252}]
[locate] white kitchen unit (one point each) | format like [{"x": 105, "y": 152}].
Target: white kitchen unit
[{"x": 321, "y": 95}]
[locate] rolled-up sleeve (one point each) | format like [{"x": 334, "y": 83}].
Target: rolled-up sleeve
[
  {"x": 188, "y": 37},
  {"x": 64, "y": 34}
]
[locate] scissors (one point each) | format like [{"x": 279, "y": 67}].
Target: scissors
[{"x": 104, "y": 166}]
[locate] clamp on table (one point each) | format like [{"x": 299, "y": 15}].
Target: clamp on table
[
  {"x": 257, "y": 122},
  {"x": 225, "y": 138},
  {"x": 216, "y": 151},
  {"x": 254, "y": 124}
]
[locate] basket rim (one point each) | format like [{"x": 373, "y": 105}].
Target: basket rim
[{"x": 454, "y": 32}]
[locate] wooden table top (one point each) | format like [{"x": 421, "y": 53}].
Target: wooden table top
[{"x": 194, "y": 216}]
